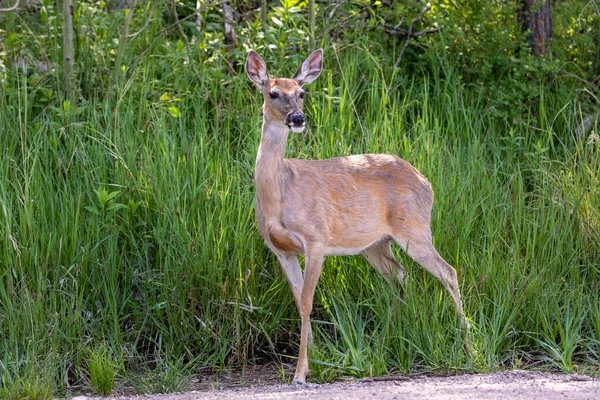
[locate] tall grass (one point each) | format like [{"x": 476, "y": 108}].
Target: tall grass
[{"x": 126, "y": 224}]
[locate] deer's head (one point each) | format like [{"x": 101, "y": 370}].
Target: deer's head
[{"x": 284, "y": 97}]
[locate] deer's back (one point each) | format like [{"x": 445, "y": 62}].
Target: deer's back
[{"x": 351, "y": 201}]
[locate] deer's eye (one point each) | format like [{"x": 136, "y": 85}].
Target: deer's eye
[
  {"x": 301, "y": 94},
  {"x": 274, "y": 95}
]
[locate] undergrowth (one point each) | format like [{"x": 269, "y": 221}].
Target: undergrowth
[{"x": 127, "y": 223}]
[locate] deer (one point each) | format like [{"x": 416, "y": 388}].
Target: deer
[{"x": 358, "y": 204}]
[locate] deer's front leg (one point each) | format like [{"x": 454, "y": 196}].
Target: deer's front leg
[
  {"x": 312, "y": 271},
  {"x": 293, "y": 273}
]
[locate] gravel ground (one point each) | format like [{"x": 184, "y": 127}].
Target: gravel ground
[{"x": 500, "y": 385}]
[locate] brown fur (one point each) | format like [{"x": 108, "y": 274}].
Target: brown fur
[
  {"x": 289, "y": 100},
  {"x": 346, "y": 205}
]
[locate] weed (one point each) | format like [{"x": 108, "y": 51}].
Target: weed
[{"x": 103, "y": 368}]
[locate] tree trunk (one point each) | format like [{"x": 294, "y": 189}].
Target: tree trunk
[
  {"x": 536, "y": 18},
  {"x": 263, "y": 14},
  {"x": 68, "y": 50},
  {"x": 311, "y": 24},
  {"x": 198, "y": 16},
  {"x": 597, "y": 79},
  {"x": 230, "y": 38}
]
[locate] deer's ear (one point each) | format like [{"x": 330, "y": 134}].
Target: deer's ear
[
  {"x": 256, "y": 69},
  {"x": 310, "y": 68}
]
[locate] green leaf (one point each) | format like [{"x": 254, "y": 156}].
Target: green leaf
[
  {"x": 101, "y": 196},
  {"x": 93, "y": 210},
  {"x": 12, "y": 39},
  {"x": 277, "y": 21},
  {"x": 174, "y": 111},
  {"x": 112, "y": 195},
  {"x": 115, "y": 207}
]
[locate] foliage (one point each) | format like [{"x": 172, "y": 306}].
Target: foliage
[
  {"x": 126, "y": 216},
  {"x": 483, "y": 42}
]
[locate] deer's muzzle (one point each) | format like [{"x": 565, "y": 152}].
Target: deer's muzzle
[{"x": 295, "y": 120}]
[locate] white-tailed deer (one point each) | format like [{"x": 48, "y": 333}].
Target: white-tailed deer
[{"x": 340, "y": 206}]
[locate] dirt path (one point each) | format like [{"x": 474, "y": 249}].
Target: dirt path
[{"x": 500, "y": 385}]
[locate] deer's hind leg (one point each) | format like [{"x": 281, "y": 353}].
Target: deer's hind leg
[
  {"x": 381, "y": 258},
  {"x": 418, "y": 245},
  {"x": 427, "y": 257}
]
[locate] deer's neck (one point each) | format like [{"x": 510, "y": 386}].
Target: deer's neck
[{"x": 271, "y": 172}]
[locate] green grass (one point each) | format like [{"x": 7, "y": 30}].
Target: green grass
[
  {"x": 103, "y": 367},
  {"x": 122, "y": 225},
  {"x": 169, "y": 376},
  {"x": 29, "y": 386}
]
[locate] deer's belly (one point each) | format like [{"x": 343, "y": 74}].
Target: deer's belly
[{"x": 350, "y": 249}]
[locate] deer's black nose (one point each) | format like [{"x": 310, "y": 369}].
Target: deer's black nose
[{"x": 295, "y": 119}]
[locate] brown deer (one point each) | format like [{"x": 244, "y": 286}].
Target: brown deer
[{"x": 340, "y": 206}]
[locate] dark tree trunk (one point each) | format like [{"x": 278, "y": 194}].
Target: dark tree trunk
[
  {"x": 68, "y": 50},
  {"x": 230, "y": 37},
  {"x": 597, "y": 66},
  {"x": 263, "y": 14},
  {"x": 536, "y": 18},
  {"x": 311, "y": 24}
]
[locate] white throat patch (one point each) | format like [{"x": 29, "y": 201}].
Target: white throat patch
[{"x": 298, "y": 129}]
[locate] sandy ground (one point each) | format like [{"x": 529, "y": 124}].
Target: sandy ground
[{"x": 500, "y": 385}]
